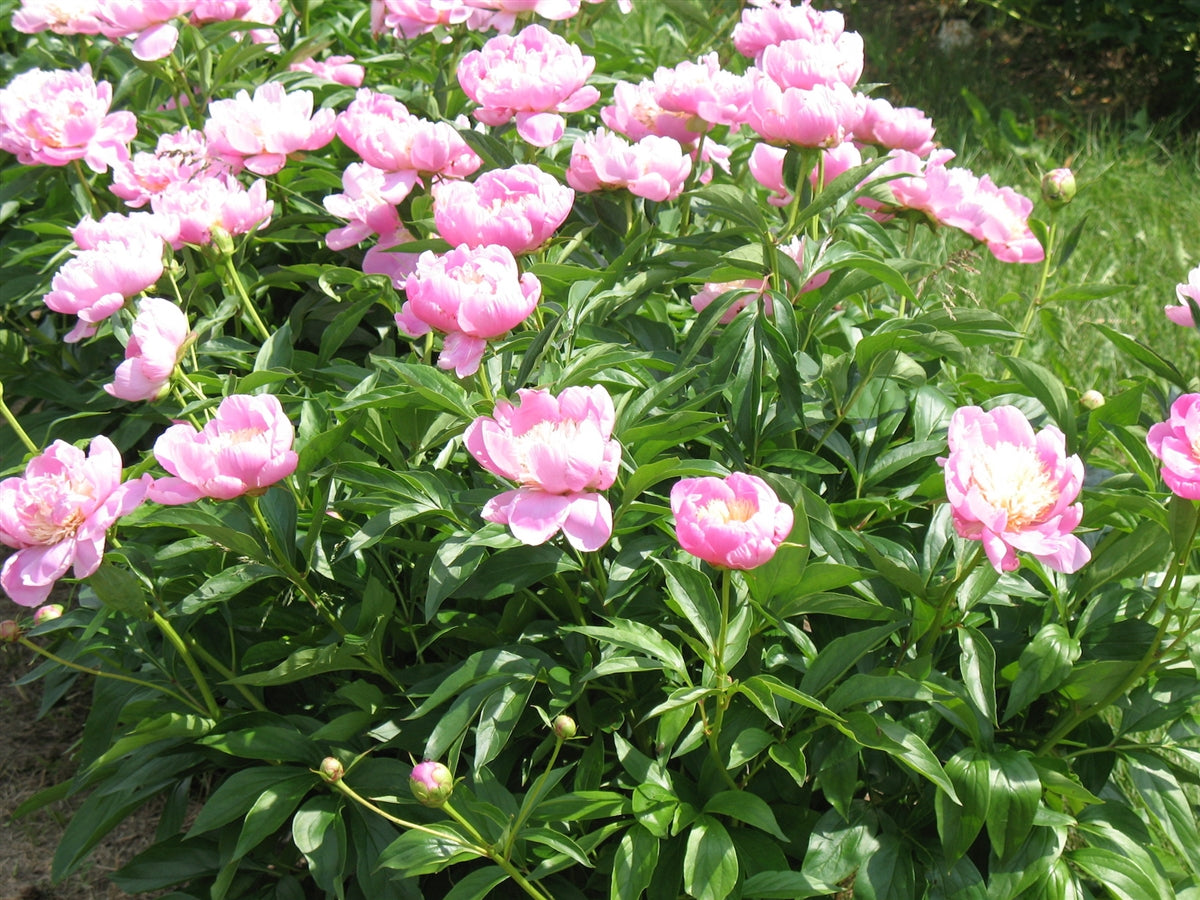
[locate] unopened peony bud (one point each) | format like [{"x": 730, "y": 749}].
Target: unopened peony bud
[
  {"x": 564, "y": 728},
  {"x": 47, "y": 613},
  {"x": 222, "y": 240},
  {"x": 1058, "y": 187},
  {"x": 1092, "y": 399},
  {"x": 331, "y": 769},
  {"x": 10, "y": 631},
  {"x": 431, "y": 783}
]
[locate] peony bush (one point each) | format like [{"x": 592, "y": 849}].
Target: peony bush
[{"x": 524, "y": 458}]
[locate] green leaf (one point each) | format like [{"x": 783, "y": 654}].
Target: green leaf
[
  {"x": 164, "y": 727},
  {"x": 960, "y": 823},
  {"x": 1120, "y": 875},
  {"x": 1046, "y": 387},
  {"x": 319, "y": 832},
  {"x": 632, "y": 635},
  {"x": 888, "y": 873},
  {"x": 634, "y": 863},
  {"x": 904, "y": 746},
  {"x": 694, "y": 598},
  {"x": 745, "y": 807},
  {"x": 840, "y": 655},
  {"x": 710, "y": 867},
  {"x": 977, "y": 661},
  {"x": 1156, "y": 786},
  {"x": 729, "y": 203},
  {"x": 270, "y": 810},
  {"x": 783, "y": 885},
  {"x": 476, "y": 885},
  {"x": 1044, "y": 664},
  {"x": 1143, "y": 354},
  {"x": 120, "y": 590},
  {"x": 167, "y": 863},
  {"x": 307, "y": 663},
  {"x": 558, "y": 842},
  {"x": 271, "y": 742},
  {"x": 439, "y": 846},
  {"x": 863, "y": 688},
  {"x": 961, "y": 881},
  {"x": 236, "y": 794},
  {"x": 1014, "y": 792}
]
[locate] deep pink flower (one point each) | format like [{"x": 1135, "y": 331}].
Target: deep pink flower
[
  {"x": 412, "y": 18},
  {"x": 471, "y": 296},
  {"x": 369, "y": 203},
  {"x": 338, "y": 69},
  {"x": 80, "y": 17},
  {"x": 1014, "y": 490},
  {"x": 381, "y": 130},
  {"x": 560, "y": 450},
  {"x": 243, "y": 449},
  {"x": 147, "y": 21},
  {"x": 260, "y": 131},
  {"x": 156, "y": 340},
  {"x": 736, "y": 522},
  {"x": 1177, "y": 443},
  {"x": 519, "y": 208},
  {"x": 533, "y": 77},
  {"x": 200, "y": 205},
  {"x": 53, "y": 118},
  {"x": 655, "y": 167},
  {"x": 57, "y": 514},
  {"x": 806, "y": 63},
  {"x": 906, "y": 128},
  {"x": 774, "y": 23},
  {"x": 1190, "y": 289},
  {"x": 819, "y": 117}
]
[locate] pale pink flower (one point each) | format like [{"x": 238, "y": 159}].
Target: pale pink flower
[
  {"x": 338, "y": 69},
  {"x": 766, "y": 165},
  {"x": 381, "y": 130},
  {"x": 561, "y": 451},
  {"x": 200, "y": 205},
  {"x": 774, "y": 23},
  {"x": 260, "y": 132},
  {"x": 1177, "y": 443},
  {"x": 369, "y": 203},
  {"x": 807, "y": 63},
  {"x": 469, "y": 295},
  {"x": 999, "y": 217},
  {"x": 1190, "y": 289},
  {"x": 655, "y": 167},
  {"x": 58, "y": 513},
  {"x": 735, "y": 522},
  {"x": 243, "y": 449},
  {"x": 702, "y": 89},
  {"x": 180, "y": 156},
  {"x": 59, "y": 16},
  {"x": 502, "y": 14},
  {"x": 636, "y": 113},
  {"x": 1014, "y": 490},
  {"x": 412, "y": 18},
  {"x": 753, "y": 290},
  {"x": 380, "y": 260},
  {"x": 819, "y": 117},
  {"x": 906, "y": 128},
  {"x": 532, "y": 77},
  {"x": 53, "y": 118},
  {"x": 156, "y": 341},
  {"x": 935, "y": 195},
  {"x": 149, "y": 22},
  {"x": 132, "y": 229},
  {"x": 260, "y": 12},
  {"x": 519, "y": 208}
]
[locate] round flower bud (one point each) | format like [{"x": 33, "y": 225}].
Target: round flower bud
[
  {"x": 1092, "y": 399},
  {"x": 1058, "y": 187},
  {"x": 564, "y": 728},
  {"x": 331, "y": 769},
  {"x": 10, "y": 631},
  {"x": 431, "y": 783},
  {"x": 47, "y": 613}
]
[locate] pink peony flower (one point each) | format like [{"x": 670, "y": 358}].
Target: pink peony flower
[
  {"x": 259, "y": 132},
  {"x": 200, "y": 205},
  {"x": 180, "y": 156},
  {"x": 807, "y": 63},
  {"x": 819, "y": 117},
  {"x": 338, "y": 69},
  {"x": 560, "y": 449},
  {"x": 655, "y": 167},
  {"x": 999, "y": 217},
  {"x": 147, "y": 21},
  {"x": 774, "y": 23},
  {"x": 736, "y": 522},
  {"x": 1013, "y": 489},
  {"x": 369, "y": 204},
  {"x": 381, "y": 130},
  {"x": 79, "y": 17},
  {"x": 53, "y": 118},
  {"x": 502, "y": 14},
  {"x": 1177, "y": 443},
  {"x": 57, "y": 514},
  {"x": 636, "y": 113},
  {"x": 470, "y": 296},
  {"x": 534, "y": 77},
  {"x": 244, "y": 449},
  {"x": 518, "y": 208},
  {"x": 906, "y": 128},
  {"x": 1190, "y": 289},
  {"x": 379, "y": 260},
  {"x": 261, "y": 12},
  {"x": 156, "y": 341},
  {"x": 702, "y": 89},
  {"x": 408, "y": 19}
]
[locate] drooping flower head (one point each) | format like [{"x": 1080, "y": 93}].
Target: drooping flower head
[
  {"x": 52, "y": 118},
  {"x": 57, "y": 514},
  {"x": 243, "y": 449},
  {"x": 519, "y": 208},
  {"x": 148, "y": 22},
  {"x": 1187, "y": 290},
  {"x": 735, "y": 522},
  {"x": 1014, "y": 490},
  {"x": 1177, "y": 443},
  {"x": 561, "y": 451},
  {"x": 368, "y": 203},
  {"x": 471, "y": 296},
  {"x": 533, "y": 77},
  {"x": 903, "y": 128},
  {"x": 158, "y": 336}
]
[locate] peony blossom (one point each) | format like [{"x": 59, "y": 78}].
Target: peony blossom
[
  {"x": 407, "y": 19},
  {"x": 156, "y": 340},
  {"x": 561, "y": 451},
  {"x": 178, "y": 157},
  {"x": 519, "y": 208},
  {"x": 736, "y": 522},
  {"x": 380, "y": 260},
  {"x": 533, "y": 77},
  {"x": 1177, "y": 443},
  {"x": 702, "y": 89},
  {"x": 774, "y": 23},
  {"x": 807, "y": 63},
  {"x": 261, "y": 12},
  {"x": 259, "y": 132},
  {"x": 53, "y": 118},
  {"x": 471, "y": 296},
  {"x": 59, "y": 16},
  {"x": 502, "y": 14},
  {"x": 655, "y": 167},
  {"x": 819, "y": 117},
  {"x": 243, "y": 449},
  {"x": 1013, "y": 489},
  {"x": 381, "y": 130},
  {"x": 57, "y": 514},
  {"x": 906, "y": 128},
  {"x": 149, "y": 22},
  {"x": 200, "y": 205},
  {"x": 1188, "y": 290},
  {"x": 338, "y": 69},
  {"x": 369, "y": 204}
]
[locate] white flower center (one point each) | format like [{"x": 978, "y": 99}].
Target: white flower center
[
  {"x": 1012, "y": 478},
  {"x": 724, "y": 512},
  {"x": 563, "y": 433}
]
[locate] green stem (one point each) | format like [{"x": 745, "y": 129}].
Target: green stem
[
  {"x": 343, "y": 788},
  {"x": 235, "y": 280},
  {"x": 494, "y": 855},
  {"x": 87, "y": 187},
  {"x": 1036, "y": 304},
  {"x": 14, "y": 424},
  {"x": 530, "y": 802},
  {"x": 115, "y": 676},
  {"x": 188, "y": 660},
  {"x": 225, "y": 672},
  {"x": 719, "y": 676},
  {"x": 934, "y": 631}
]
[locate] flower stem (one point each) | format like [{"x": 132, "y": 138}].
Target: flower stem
[
  {"x": 235, "y": 281},
  {"x": 225, "y": 672},
  {"x": 495, "y": 856},
  {"x": 14, "y": 424},
  {"x": 530, "y": 801},
  {"x": 720, "y": 677},
  {"x": 1036, "y": 303},
  {"x": 181, "y": 648},
  {"x": 934, "y": 631},
  {"x": 87, "y": 187}
]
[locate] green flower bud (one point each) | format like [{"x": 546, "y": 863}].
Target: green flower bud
[
  {"x": 10, "y": 632},
  {"x": 431, "y": 783},
  {"x": 1058, "y": 187},
  {"x": 331, "y": 769},
  {"x": 564, "y": 728},
  {"x": 1092, "y": 399}
]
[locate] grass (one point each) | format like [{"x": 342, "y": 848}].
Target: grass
[{"x": 1139, "y": 181}]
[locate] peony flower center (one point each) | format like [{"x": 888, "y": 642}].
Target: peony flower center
[
  {"x": 563, "y": 434},
  {"x": 1013, "y": 478},
  {"x": 726, "y": 511},
  {"x": 56, "y": 514},
  {"x": 225, "y": 439}
]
